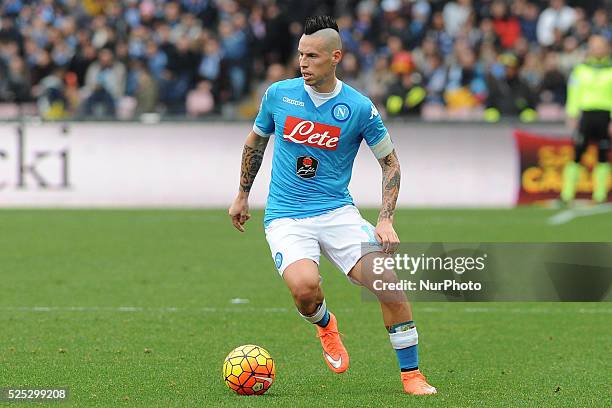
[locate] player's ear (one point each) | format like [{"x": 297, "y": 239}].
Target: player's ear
[{"x": 336, "y": 56}]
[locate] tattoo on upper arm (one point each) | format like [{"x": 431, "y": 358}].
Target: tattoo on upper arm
[
  {"x": 391, "y": 184},
  {"x": 252, "y": 158}
]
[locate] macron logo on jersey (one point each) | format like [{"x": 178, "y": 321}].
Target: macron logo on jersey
[{"x": 311, "y": 133}]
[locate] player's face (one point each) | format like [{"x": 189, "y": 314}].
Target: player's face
[{"x": 317, "y": 63}]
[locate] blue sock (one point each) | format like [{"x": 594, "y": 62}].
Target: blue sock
[
  {"x": 408, "y": 358},
  {"x": 324, "y": 320},
  {"x": 404, "y": 339}
]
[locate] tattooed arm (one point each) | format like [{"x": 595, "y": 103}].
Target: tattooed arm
[
  {"x": 390, "y": 186},
  {"x": 390, "y": 190},
  {"x": 252, "y": 157}
]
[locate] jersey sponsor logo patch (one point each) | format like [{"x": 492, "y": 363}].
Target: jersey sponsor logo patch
[
  {"x": 306, "y": 167},
  {"x": 293, "y": 101},
  {"x": 311, "y": 133},
  {"x": 341, "y": 112}
]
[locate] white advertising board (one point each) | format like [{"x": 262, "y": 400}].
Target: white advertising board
[{"x": 197, "y": 165}]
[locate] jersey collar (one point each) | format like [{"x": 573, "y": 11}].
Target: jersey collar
[{"x": 319, "y": 98}]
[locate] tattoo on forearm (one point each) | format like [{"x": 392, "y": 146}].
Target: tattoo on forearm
[
  {"x": 251, "y": 162},
  {"x": 390, "y": 186}
]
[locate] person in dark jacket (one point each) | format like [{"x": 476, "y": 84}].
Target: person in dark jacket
[{"x": 509, "y": 95}]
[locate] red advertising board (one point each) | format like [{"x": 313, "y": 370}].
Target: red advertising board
[{"x": 542, "y": 159}]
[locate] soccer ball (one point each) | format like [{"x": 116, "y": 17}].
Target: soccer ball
[{"x": 248, "y": 370}]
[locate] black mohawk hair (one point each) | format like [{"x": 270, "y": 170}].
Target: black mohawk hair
[{"x": 316, "y": 23}]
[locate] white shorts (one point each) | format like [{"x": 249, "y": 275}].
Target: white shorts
[{"x": 342, "y": 235}]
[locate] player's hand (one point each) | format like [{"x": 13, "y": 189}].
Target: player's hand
[
  {"x": 239, "y": 212},
  {"x": 385, "y": 234},
  {"x": 571, "y": 123}
]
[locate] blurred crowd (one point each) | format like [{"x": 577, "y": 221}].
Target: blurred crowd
[{"x": 102, "y": 58}]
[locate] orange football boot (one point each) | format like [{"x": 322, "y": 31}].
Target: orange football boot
[
  {"x": 335, "y": 354},
  {"x": 415, "y": 383}
]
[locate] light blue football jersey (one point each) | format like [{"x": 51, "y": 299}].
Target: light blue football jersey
[{"x": 314, "y": 147}]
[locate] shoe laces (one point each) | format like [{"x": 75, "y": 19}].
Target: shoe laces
[
  {"x": 326, "y": 336},
  {"x": 324, "y": 333}
]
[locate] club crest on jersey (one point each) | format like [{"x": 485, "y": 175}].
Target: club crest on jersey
[
  {"x": 309, "y": 133},
  {"x": 341, "y": 112},
  {"x": 278, "y": 259},
  {"x": 306, "y": 167}
]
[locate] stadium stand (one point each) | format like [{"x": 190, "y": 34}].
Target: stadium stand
[{"x": 462, "y": 59}]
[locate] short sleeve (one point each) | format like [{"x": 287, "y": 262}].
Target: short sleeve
[
  {"x": 264, "y": 122},
  {"x": 373, "y": 128}
]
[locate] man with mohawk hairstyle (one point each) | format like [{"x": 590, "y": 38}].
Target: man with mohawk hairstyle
[{"x": 319, "y": 123}]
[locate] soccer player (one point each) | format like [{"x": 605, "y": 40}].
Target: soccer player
[
  {"x": 589, "y": 97},
  {"x": 319, "y": 123}
]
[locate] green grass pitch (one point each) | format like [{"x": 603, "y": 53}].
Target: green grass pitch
[{"x": 132, "y": 309}]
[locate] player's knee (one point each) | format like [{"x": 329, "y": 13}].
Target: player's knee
[
  {"x": 370, "y": 268},
  {"x": 305, "y": 291}
]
